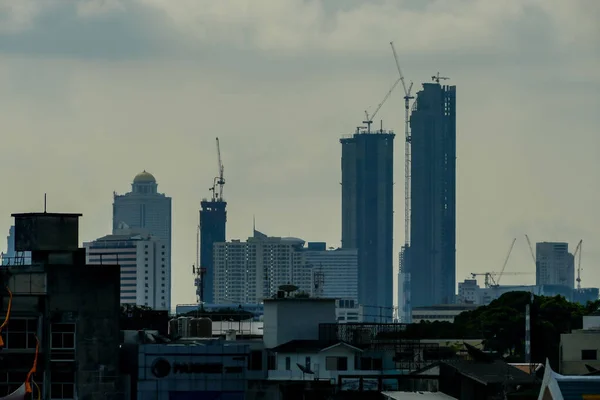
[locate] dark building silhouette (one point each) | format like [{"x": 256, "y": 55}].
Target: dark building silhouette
[
  {"x": 432, "y": 262},
  {"x": 367, "y": 217},
  {"x": 213, "y": 218}
]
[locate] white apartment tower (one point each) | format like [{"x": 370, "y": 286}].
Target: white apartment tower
[
  {"x": 554, "y": 264},
  {"x": 336, "y": 270},
  {"x": 248, "y": 272},
  {"x": 145, "y": 277},
  {"x": 147, "y": 210}
]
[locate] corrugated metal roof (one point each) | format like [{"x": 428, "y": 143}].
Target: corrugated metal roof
[{"x": 572, "y": 389}]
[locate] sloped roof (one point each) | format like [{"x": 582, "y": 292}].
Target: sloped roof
[
  {"x": 568, "y": 387},
  {"x": 496, "y": 371},
  {"x": 309, "y": 346}
]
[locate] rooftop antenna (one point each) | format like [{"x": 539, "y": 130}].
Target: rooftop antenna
[{"x": 44, "y": 203}]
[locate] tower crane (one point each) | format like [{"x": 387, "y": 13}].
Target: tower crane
[
  {"x": 407, "y": 149},
  {"x": 506, "y": 261},
  {"x": 437, "y": 78},
  {"x": 531, "y": 251},
  {"x": 491, "y": 281},
  {"x": 369, "y": 119},
  {"x": 577, "y": 255},
  {"x": 219, "y": 180}
]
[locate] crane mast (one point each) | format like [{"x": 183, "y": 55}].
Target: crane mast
[
  {"x": 219, "y": 180},
  {"x": 407, "y": 149}
]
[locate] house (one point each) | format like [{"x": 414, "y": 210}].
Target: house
[
  {"x": 581, "y": 347},
  {"x": 313, "y": 360},
  {"x": 562, "y": 387}
]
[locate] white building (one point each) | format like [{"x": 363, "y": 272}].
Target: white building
[
  {"x": 468, "y": 291},
  {"x": 441, "y": 312},
  {"x": 337, "y": 269},
  {"x": 554, "y": 264},
  {"x": 248, "y": 272},
  {"x": 145, "y": 208},
  {"x": 348, "y": 311},
  {"x": 145, "y": 276},
  {"x": 581, "y": 348}
]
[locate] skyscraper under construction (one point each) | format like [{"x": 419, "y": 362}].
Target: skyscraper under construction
[
  {"x": 367, "y": 217},
  {"x": 432, "y": 252}
]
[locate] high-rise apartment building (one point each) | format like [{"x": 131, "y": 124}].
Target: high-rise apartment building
[
  {"x": 432, "y": 261},
  {"x": 367, "y": 215},
  {"x": 145, "y": 208},
  {"x": 145, "y": 279},
  {"x": 213, "y": 219},
  {"x": 248, "y": 272},
  {"x": 335, "y": 271},
  {"x": 554, "y": 264}
]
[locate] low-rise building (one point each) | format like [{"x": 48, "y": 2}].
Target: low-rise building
[
  {"x": 581, "y": 348},
  {"x": 441, "y": 312}
]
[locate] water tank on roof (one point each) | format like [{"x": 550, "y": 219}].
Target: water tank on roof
[
  {"x": 201, "y": 327},
  {"x": 173, "y": 331}
]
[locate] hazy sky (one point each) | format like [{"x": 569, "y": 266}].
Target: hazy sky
[{"x": 93, "y": 92}]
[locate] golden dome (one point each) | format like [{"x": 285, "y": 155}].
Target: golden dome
[{"x": 144, "y": 177}]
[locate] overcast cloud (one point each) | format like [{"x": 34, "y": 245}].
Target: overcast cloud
[{"x": 93, "y": 92}]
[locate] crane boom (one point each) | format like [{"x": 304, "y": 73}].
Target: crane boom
[
  {"x": 369, "y": 120},
  {"x": 577, "y": 255},
  {"x": 531, "y": 250},
  {"x": 506, "y": 261},
  {"x": 407, "y": 150}
]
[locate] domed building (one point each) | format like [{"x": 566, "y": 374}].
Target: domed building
[{"x": 146, "y": 211}]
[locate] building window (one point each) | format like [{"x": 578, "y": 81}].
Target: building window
[
  {"x": 63, "y": 337},
  {"x": 255, "y": 360},
  {"x": 63, "y": 383},
  {"x": 589, "y": 355},
  {"x": 336, "y": 364},
  {"x": 271, "y": 362},
  {"x": 20, "y": 333},
  {"x": 10, "y": 381},
  {"x": 288, "y": 364}
]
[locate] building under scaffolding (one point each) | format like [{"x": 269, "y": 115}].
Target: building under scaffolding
[{"x": 409, "y": 354}]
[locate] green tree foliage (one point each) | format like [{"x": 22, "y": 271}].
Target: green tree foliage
[{"x": 502, "y": 324}]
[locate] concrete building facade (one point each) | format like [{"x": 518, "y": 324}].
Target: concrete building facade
[
  {"x": 554, "y": 264},
  {"x": 145, "y": 280},
  {"x": 249, "y": 272},
  {"x": 61, "y": 313},
  {"x": 367, "y": 214},
  {"x": 145, "y": 208},
  {"x": 432, "y": 262},
  {"x": 581, "y": 347}
]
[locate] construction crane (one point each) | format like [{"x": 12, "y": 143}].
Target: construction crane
[
  {"x": 506, "y": 261},
  {"x": 407, "y": 150},
  {"x": 577, "y": 255},
  {"x": 437, "y": 78},
  {"x": 219, "y": 180},
  {"x": 531, "y": 251},
  {"x": 369, "y": 119},
  {"x": 491, "y": 281}
]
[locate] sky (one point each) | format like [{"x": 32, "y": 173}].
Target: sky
[{"x": 94, "y": 91}]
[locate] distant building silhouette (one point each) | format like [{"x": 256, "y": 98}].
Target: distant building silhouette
[
  {"x": 432, "y": 252},
  {"x": 367, "y": 216},
  {"x": 213, "y": 221},
  {"x": 145, "y": 208},
  {"x": 554, "y": 264}
]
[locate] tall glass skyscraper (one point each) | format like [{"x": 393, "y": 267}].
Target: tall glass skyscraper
[
  {"x": 432, "y": 261},
  {"x": 145, "y": 208},
  {"x": 367, "y": 217}
]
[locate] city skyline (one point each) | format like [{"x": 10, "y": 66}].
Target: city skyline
[{"x": 527, "y": 120}]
